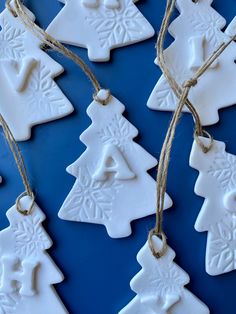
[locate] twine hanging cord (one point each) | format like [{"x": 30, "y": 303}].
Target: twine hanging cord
[
  {"x": 48, "y": 40},
  {"x": 182, "y": 94},
  {"x": 21, "y": 167}
]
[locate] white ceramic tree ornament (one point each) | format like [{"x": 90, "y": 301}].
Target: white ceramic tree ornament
[
  {"x": 28, "y": 93},
  {"x": 112, "y": 184},
  {"x": 217, "y": 184},
  {"x": 160, "y": 286},
  {"x": 100, "y": 25},
  {"x": 197, "y": 33},
  {"x": 27, "y": 272}
]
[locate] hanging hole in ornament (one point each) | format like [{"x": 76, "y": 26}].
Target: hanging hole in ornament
[
  {"x": 25, "y": 212},
  {"x": 158, "y": 253},
  {"x": 103, "y": 96},
  {"x": 10, "y": 8},
  {"x": 205, "y": 134},
  {"x": 195, "y": 1}
]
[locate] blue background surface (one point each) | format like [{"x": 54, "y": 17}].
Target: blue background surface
[{"x": 98, "y": 269}]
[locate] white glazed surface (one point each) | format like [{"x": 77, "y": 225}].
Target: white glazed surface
[
  {"x": 27, "y": 272},
  {"x": 112, "y": 184},
  {"x": 28, "y": 94},
  {"x": 160, "y": 286},
  {"x": 100, "y": 25},
  {"x": 197, "y": 33},
  {"x": 217, "y": 184}
]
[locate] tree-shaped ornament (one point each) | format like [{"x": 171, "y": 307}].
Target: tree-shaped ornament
[
  {"x": 27, "y": 272},
  {"x": 197, "y": 33},
  {"x": 100, "y": 25},
  {"x": 217, "y": 184},
  {"x": 112, "y": 184},
  {"x": 28, "y": 93},
  {"x": 160, "y": 286}
]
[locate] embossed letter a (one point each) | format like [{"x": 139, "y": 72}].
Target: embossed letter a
[
  {"x": 15, "y": 271},
  {"x": 113, "y": 162}
]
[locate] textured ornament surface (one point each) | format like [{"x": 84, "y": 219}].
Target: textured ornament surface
[
  {"x": 197, "y": 33},
  {"x": 27, "y": 272},
  {"x": 217, "y": 184},
  {"x": 29, "y": 95},
  {"x": 100, "y": 25},
  {"x": 160, "y": 286},
  {"x": 112, "y": 184}
]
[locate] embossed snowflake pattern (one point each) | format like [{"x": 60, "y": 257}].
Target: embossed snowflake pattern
[
  {"x": 209, "y": 25},
  {"x": 168, "y": 279},
  {"x": 43, "y": 93},
  {"x": 117, "y": 132},
  {"x": 117, "y": 26},
  {"x": 90, "y": 199},
  {"x": 222, "y": 245},
  {"x": 164, "y": 94},
  {"x": 11, "y": 42},
  {"x": 224, "y": 170},
  {"x": 8, "y": 303},
  {"x": 160, "y": 286},
  {"x": 30, "y": 238}
]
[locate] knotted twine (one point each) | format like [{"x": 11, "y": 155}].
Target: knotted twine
[
  {"x": 47, "y": 40},
  {"x": 182, "y": 94},
  {"x": 21, "y": 167}
]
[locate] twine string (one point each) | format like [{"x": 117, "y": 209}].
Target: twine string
[
  {"x": 14, "y": 147},
  {"x": 182, "y": 94},
  {"x": 48, "y": 40}
]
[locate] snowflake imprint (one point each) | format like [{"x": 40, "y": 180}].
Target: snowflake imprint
[
  {"x": 224, "y": 170},
  {"x": 222, "y": 245},
  {"x": 168, "y": 279},
  {"x": 90, "y": 199},
  {"x": 44, "y": 94},
  {"x": 8, "y": 303},
  {"x": 30, "y": 237},
  {"x": 117, "y": 133},
  {"x": 209, "y": 25},
  {"x": 11, "y": 42},
  {"x": 117, "y": 26}
]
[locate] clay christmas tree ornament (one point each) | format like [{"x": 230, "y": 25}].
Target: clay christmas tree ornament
[
  {"x": 100, "y": 25},
  {"x": 112, "y": 184},
  {"x": 198, "y": 33},
  {"x": 27, "y": 272},
  {"x": 28, "y": 93},
  {"x": 160, "y": 286},
  {"x": 217, "y": 184}
]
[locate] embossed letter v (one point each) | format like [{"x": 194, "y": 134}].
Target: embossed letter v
[{"x": 18, "y": 74}]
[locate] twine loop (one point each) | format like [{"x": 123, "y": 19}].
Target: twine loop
[
  {"x": 103, "y": 96},
  {"x": 14, "y": 147},
  {"x": 25, "y": 212},
  {"x": 205, "y": 148},
  {"x": 162, "y": 236}
]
